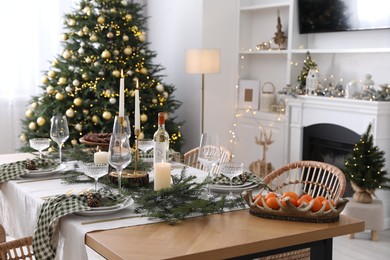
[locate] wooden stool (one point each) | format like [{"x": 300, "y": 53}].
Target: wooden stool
[{"x": 371, "y": 213}]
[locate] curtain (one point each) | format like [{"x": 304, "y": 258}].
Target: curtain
[{"x": 30, "y": 38}]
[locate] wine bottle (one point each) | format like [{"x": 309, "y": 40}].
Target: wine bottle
[{"x": 161, "y": 140}]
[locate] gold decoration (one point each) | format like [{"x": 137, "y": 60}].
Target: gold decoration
[
  {"x": 106, "y": 54},
  {"x": 279, "y": 38},
  {"x": 49, "y": 90},
  {"x": 107, "y": 115},
  {"x": 69, "y": 113},
  {"x": 45, "y": 79},
  {"x": 59, "y": 96},
  {"x": 41, "y": 121},
  {"x": 29, "y": 113},
  {"x": 62, "y": 81},
  {"x": 51, "y": 74},
  {"x": 101, "y": 20},
  {"x": 77, "y": 101},
  {"x": 95, "y": 119},
  {"x": 260, "y": 167},
  {"x": 32, "y": 126},
  {"x": 143, "y": 118},
  {"x": 128, "y": 50}
]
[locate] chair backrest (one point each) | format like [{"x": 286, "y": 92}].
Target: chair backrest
[
  {"x": 2, "y": 234},
  {"x": 311, "y": 177},
  {"x": 17, "y": 249},
  {"x": 191, "y": 158}
]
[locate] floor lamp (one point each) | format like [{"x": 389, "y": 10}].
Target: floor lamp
[{"x": 202, "y": 61}]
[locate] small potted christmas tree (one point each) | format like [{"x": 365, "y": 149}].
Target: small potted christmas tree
[{"x": 365, "y": 169}]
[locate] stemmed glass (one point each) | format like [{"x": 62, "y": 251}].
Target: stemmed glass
[
  {"x": 231, "y": 170},
  {"x": 59, "y": 131},
  {"x": 145, "y": 145},
  {"x": 209, "y": 155},
  {"x": 39, "y": 144},
  {"x": 95, "y": 171},
  {"x": 119, "y": 154},
  {"x": 122, "y": 126}
]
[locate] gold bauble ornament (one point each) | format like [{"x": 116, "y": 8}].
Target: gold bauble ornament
[
  {"x": 80, "y": 33},
  {"x": 160, "y": 87},
  {"x": 41, "y": 121},
  {"x": 73, "y": 142},
  {"x": 112, "y": 100},
  {"x": 107, "y": 115},
  {"x": 29, "y": 113},
  {"x": 128, "y": 17},
  {"x": 45, "y": 79},
  {"x": 124, "y": 3},
  {"x": 85, "y": 111},
  {"x": 51, "y": 73},
  {"x": 143, "y": 71},
  {"x": 87, "y": 10},
  {"x": 84, "y": 76},
  {"x": 110, "y": 35},
  {"x": 54, "y": 62},
  {"x": 141, "y": 136},
  {"x": 116, "y": 52},
  {"x": 142, "y": 37},
  {"x": 69, "y": 112},
  {"x": 85, "y": 29},
  {"x": 49, "y": 90},
  {"x": 78, "y": 127},
  {"x": 165, "y": 94},
  {"x": 154, "y": 101},
  {"x": 106, "y": 54},
  {"x": 101, "y": 20},
  {"x": 59, "y": 96},
  {"x": 51, "y": 149},
  {"x": 143, "y": 118},
  {"x": 88, "y": 60},
  {"x": 32, "y": 126},
  {"x": 34, "y": 105},
  {"x": 23, "y": 138},
  {"x": 78, "y": 101},
  {"x": 113, "y": 10},
  {"x": 125, "y": 38},
  {"x": 66, "y": 54},
  {"x": 128, "y": 50},
  {"x": 64, "y": 36},
  {"x": 71, "y": 22},
  {"x": 95, "y": 119},
  {"x": 68, "y": 89},
  {"x": 62, "y": 81},
  {"x": 76, "y": 83},
  {"x": 93, "y": 38},
  {"x": 116, "y": 73}
]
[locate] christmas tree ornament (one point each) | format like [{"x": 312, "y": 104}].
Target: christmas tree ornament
[
  {"x": 95, "y": 119},
  {"x": 125, "y": 38},
  {"x": 84, "y": 76},
  {"x": 71, "y": 22},
  {"x": 69, "y": 113},
  {"x": 74, "y": 142},
  {"x": 101, "y": 20},
  {"x": 54, "y": 62},
  {"x": 101, "y": 73},
  {"x": 93, "y": 38},
  {"x": 96, "y": 64},
  {"x": 113, "y": 10},
  {"x": 81, "y": 50},
  {"x": 34, "y": 105},
  {"x": 112, "y": 100},
  {"x": 64, "y": 36},
  {"x": 165, "y": 94},
  {"x": 88, "y": 60},
  {"x": 312, "y": 82},
  {"x": 279, "y": 37},
  {"x": 110, "y": 35},
  {"x": 76, "y": 83},
  {"x": 71, "y": 68},
  {"x": 85, "y": 111},
  {"x": 59, "y": 96},
  {"x": 32, "y": 126},
  {"x": 141, "y": 136},
  {"x": 106, "y": 54},
  {"x": 116, "y": 52},
  {"x": 128, "y": 50},
  {"x": 51, "y": 74},
  {"x": 78, "y": 101},
  {"x": 41, "y": 121},
  {"x": 107, "y": 115},
  {"x": 124, "y": 3},
  {"x": 87, "y": 10},
  {"x": 128, "y": 17},
  {"x": 80, "y": 33},
  {"x": 143, "y": 71},
  {"x": 129, "y": 72},
  {"x": 154, "y": 101},
  {"x": 143, "y": 118},
  {"x": 85, "y": 29},
  {"x": 66, "y": 54},
  {"x": 62, "y": 81},
  {"x": 45, "y": 79},
  {"x": 116, "y": 73},
  {"x": 142, "y": 37},
  {"x": 78, "y": 127},
  {"x": 49, "y": 90},
  {"x": 29, "y": 113},
  {"x": 159, "y": 87},
  {"x": 23, "y": 138}
]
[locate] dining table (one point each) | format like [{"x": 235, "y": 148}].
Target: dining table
[{"x": 126, "y": 234}]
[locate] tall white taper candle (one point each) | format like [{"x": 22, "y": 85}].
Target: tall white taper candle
[
  {"x": 137, "y": 124},
  {"x": 122, "y": 95}
]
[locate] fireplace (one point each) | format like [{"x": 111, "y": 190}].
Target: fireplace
[{"x": 333, "y": 125}]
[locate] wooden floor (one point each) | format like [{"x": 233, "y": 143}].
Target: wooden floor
[{"x": 362, "y": 248}]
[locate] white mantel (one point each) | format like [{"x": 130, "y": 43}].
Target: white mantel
[{"x": 350, "y": 113}]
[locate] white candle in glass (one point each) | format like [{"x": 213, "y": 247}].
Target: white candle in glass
[
  {"x": 100, "y": 157},
  {"x": 122, "y": 95},
  {"x": 137, "y": 124},
  {"x": 162, "y": 176}
]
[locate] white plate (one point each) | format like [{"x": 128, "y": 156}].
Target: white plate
[
  {"x": 228, "y": 185},
  {"x": 100, "y": 211},
  {"x": 235, "y": 189},
  {"x": 45, "y": 172}
]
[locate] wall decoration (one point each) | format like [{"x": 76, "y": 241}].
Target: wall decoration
[{"x": 248, "y": 97}]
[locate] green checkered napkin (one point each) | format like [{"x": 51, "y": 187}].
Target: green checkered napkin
[
  {"x": 44, "y": 242},
  {"x": 13, "y": 170},
  {"x": 238, "y": 180}
]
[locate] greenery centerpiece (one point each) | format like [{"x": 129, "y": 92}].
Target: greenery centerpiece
[{"x": 365, "y": 168}]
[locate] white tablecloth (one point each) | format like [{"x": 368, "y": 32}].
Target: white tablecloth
[{"x": 20, "y": 204}]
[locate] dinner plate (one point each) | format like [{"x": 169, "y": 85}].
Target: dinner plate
[
  {"x": 235, "y": 189},
  {"x": 100, "y": 211},
  {"x": 44, "y": 172},
  {"x": 234, "y": 186}
]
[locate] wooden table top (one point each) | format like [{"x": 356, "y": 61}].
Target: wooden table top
[{"x": 213, "y": 237}]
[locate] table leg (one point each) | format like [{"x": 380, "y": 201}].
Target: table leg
[
  {"x": 374, "y": 235},
  {"x": 351, "y": 236},
  {"x": 322, "y": 250}
]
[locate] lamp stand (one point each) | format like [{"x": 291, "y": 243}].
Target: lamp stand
[{"x": 202, "y": 116}]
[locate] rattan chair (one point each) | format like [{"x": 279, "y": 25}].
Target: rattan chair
[
  {"x": 191, "y": 158},
  {"x": 311, "y": 177},
  {"x": 17, "y": 249},
  {"x": 2, "y": 234}
]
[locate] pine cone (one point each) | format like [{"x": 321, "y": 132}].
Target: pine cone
[
  {"x": 30, "y": 165},
  {"x": 93, "y": 199}
]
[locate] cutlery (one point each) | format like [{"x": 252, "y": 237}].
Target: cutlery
[
  {"x": 111, "y": 219},
  {"x": 40, "y": 179},
  {"x": 68, "y": 193}
]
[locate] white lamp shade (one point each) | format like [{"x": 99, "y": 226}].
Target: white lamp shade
[{"x": 202, "y": 61}]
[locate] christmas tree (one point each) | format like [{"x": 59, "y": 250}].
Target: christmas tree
[
  {"x": 101, "y": 39},
  {"x": 365, "y": 167},
  {"x": 308, "y": 64}
]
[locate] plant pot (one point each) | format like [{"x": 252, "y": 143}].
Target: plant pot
[{"x": 361, "y": 195}]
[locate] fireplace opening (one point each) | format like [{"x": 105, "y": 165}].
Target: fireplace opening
[{"x": 329, "y": 143}]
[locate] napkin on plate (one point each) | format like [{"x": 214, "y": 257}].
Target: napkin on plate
[
  {"x": 9, "y": 171},
  {"x": 238, "y": 180}
]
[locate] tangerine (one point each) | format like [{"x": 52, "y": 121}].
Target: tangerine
[
  {"x": 321, "y": 198},
  {"x": 307, "y": 197},
  {"x": 290, "y": 194},
  {"x": 272, "y": 202},
  {"x": 316, "y": 205},
  {"x": 327, "y": 207},
  {"x": 270, "y": 194},
  {"x": 292, "y": 200},
  {"x": 301, "y": 200},
  {"x": 259, "y": 202}
]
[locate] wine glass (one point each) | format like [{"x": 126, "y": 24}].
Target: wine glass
[
  {"x": 59, "y": 131},
  {"x": 145, "y": 145},
  {"x": 122, "y": 126},
  {"x": 39, "y": 144},
  {"x": 231, "y": 170},
  {"x": 119, "y": 154},
  {"x": 209, "y": 155},
  {"x": 95, "y": 171}
]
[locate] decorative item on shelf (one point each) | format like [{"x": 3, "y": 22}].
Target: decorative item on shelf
[
  {"x": 279, "y": 108},
  {"x": 260, "y": 167},
  {"x": 308, "y": 64},
  {"x": 368, "y": 83},
  {"x": 279, "y": 37},
  {"x": 249, "y": 94},
  {"x": 365, "y": 168},
  {"x": 312, "y": 82},
  {"x": 263, "y": 46},
  {"x": 267, "y": 97}
]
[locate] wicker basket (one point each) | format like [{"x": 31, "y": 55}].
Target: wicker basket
[{"x": 310, "y": 177}]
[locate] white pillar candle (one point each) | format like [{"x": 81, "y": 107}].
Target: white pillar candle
[
  {"x": 162, "y": 176},
  {"x": 100, "y": 157},
  {"x": 137, "y": 124},
  {"x": 122, "y": 95}
]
